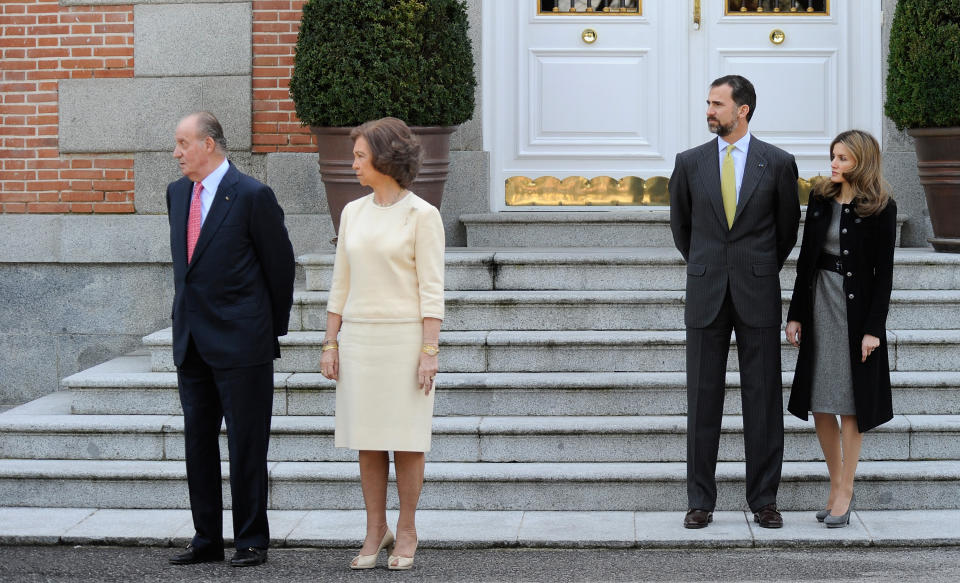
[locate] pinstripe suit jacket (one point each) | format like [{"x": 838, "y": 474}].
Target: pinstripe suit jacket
[{"x": 746, "y": 259}]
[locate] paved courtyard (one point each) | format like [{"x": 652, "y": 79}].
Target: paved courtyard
[{"x": 83, "y": 563}]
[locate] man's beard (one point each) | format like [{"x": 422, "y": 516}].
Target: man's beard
[{"x": 722, "y": 130}]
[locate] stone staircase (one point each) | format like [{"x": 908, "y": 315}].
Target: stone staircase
[{"x": 562, "y": 389}]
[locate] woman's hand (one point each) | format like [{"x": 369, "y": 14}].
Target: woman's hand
[
  {"x": 793, "y": 333},
  {"x": 330, "y": 364},
  {"x": 428, "y": 370},
  {"x": 869, "y": 344}
]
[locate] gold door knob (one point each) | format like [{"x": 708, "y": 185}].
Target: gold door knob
[
  {"x": 589, "y": 36},
  {"x": 777, "y": 36}
]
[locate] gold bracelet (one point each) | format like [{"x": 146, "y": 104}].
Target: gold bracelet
[
  {"x": 430, "y": 350},
  {"x": 329, "y": 346}
]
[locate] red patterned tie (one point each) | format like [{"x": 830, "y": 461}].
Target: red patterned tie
[{"x": 194, "y": 221}]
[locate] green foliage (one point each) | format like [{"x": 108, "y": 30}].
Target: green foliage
[
  {"x": 923, "y": 80},
  {"x": 359, "y": 60}
]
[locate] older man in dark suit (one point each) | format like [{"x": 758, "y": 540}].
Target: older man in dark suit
[
  {"x": 734, "y": 213},
  {"x": 233, "y": 270}
]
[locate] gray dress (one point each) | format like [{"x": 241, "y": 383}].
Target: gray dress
[{"x": 832, "y": 387}]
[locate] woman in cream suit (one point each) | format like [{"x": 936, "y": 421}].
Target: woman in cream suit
[{"x": 386, "y": 306}]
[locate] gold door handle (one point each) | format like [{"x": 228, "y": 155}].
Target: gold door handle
[
  {"x": 589, "y": 36},
  {"x": 777, "y": 36},
  {"x": 696, "y": 14}
]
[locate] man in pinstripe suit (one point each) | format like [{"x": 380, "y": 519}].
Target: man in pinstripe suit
[{"x": 734, "y": 213}]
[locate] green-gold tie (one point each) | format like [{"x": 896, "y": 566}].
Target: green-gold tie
[{"x": 728, "y": 186}]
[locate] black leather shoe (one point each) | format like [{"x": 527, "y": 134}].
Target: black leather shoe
[
  {"x": 697, "y": 518},
  {"x": 249, "y": 557},
  {"x": 194, "y": 555},
  {"x": 768, "y": 517}
]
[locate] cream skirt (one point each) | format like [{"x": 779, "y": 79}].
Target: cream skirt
[{"x": 379, "y": 404}]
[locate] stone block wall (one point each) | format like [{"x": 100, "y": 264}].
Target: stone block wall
[
  {"x": 85, "y": 77},
  {"x": 43, "y": 44}
]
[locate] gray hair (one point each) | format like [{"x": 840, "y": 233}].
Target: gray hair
[{"x": 209, "y": 127}]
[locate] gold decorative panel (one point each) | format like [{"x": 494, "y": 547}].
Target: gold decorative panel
[
  {"x": 584, "y": 7},
  {"x": 805, "y": 185},
  {"x": 580, "y": 191},
  {"x": 776, "y": 7},
  {"x": 603, "y": 191}
]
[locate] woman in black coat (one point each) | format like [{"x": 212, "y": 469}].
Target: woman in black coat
[{"x": 839, "y": 308}]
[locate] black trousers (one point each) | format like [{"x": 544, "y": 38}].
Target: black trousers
[
  {"x": 244, "y": 397},
  {"x": 762, "y": 396}
]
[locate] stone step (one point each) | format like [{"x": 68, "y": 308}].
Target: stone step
[
  {"x": 614, "y": 228},
  {"x": 641, "y": 228},
  {"x": 587, "y": 351},
  {"x": 464, "y": 439},
  {"x": 614, "y": 310},
  {"x": 127, "y": 386},
  {"x": 881, "y": 485},
  {"x": 638, "y": 268},
  {"x": 291, "y": 531}
]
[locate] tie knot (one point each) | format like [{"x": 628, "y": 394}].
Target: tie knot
[
  {"x": 730, "y": 149},
  {"x": 197, "y": 188}
]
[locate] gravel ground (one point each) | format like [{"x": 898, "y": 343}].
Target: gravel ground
[{"x": 927, "y": 565}]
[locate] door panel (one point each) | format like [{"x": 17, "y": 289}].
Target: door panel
[
  {"x": 793, "y": 107},
  {"x": 568, "y": 116},
  {"x": 558, "y": 109}
]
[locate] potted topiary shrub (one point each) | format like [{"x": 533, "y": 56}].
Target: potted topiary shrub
[
  {"x": 923, "y": 95},
  {"x": 360, "y": 60}
]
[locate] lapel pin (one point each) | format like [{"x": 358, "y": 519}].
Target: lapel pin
[{"x": 226, "y": 198}]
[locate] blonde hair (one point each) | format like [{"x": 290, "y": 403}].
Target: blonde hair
[{"x": 865, "y": 178}]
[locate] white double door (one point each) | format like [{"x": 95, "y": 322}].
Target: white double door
[{"x": 627, "y": 103}]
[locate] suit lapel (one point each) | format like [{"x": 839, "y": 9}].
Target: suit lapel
[
  {"x": 754, "y": 168},
  {"x": 708, "y": 169},
  {"x": 180, "y": 208},
  {"x": 218, "y": 211}
]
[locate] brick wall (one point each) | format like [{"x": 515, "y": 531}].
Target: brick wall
[
  {"x": 275, "y": 125},
  {"x": 42, "y": 42}
]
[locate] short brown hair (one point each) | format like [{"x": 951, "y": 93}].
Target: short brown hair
[
  {"x": 396, "y": 152},
  {"x": 742, "y": 91}
]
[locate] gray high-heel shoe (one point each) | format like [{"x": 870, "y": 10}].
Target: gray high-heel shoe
[
  {"x": 823, "y": 514},
  {"x": 840, "y": 521}
]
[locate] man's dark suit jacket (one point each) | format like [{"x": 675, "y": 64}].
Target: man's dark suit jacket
[
  {"x": 747, "y": 257},
  {"x": 234, "y": 297}
]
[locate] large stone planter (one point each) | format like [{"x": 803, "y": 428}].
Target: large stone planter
[
  {"x": 336, "y": 160},
  {"x": 938, "y": 164}
]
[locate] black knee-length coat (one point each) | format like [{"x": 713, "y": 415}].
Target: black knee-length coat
[{"x": 867, "y": 245}]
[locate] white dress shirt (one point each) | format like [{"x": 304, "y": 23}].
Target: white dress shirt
[
  {"x": 210, "y": 185},
  {"x": 739, "y": 153}
]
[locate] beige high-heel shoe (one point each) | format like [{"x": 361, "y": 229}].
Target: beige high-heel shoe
[
  {"x": 402, "y": 563},
  {"x": 370, "y": 561}
]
